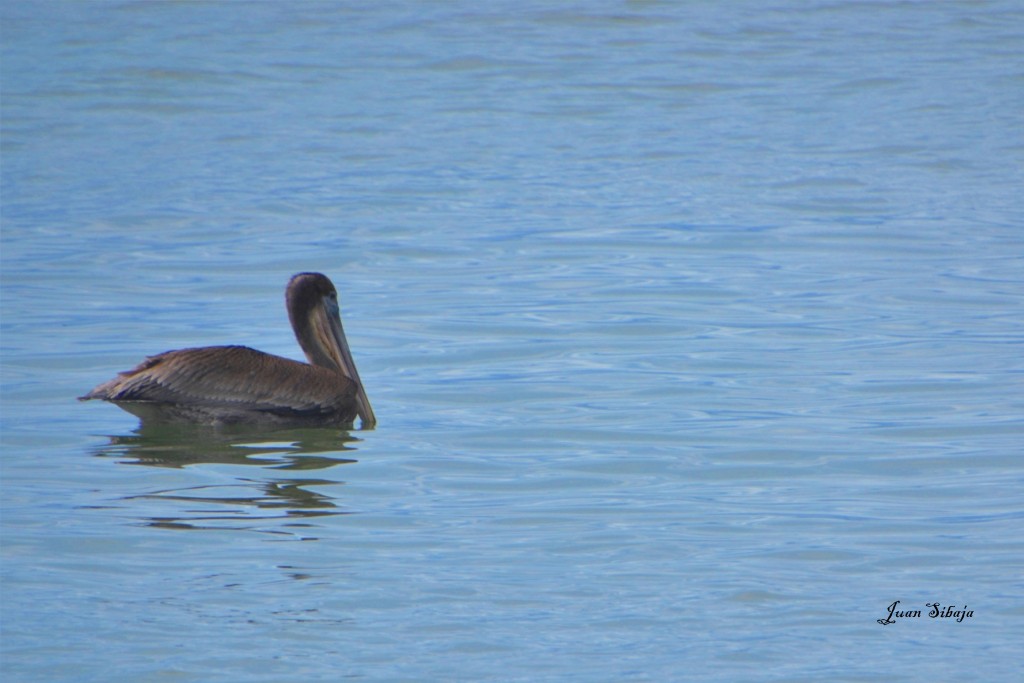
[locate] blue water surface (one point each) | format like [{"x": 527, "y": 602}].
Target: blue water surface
[{"x": 694, "y": 331}]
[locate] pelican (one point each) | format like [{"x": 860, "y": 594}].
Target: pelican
[{"x": 239, "y": 385}]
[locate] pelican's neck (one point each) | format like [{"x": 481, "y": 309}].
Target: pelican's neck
[
  {"x": 311, "y": 333},
  {"x": 313, "y": 310}
]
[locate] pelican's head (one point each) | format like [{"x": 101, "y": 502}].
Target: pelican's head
[{"x": 315, "y": 317}]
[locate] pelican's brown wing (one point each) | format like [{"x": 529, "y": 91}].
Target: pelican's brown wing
[{"x": 231, "y": 382}]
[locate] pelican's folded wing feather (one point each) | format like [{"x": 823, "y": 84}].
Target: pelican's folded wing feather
[{"x": 232, "y": 377}]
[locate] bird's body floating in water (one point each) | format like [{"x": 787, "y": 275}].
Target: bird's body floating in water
[{"x": 239, "y": 385}]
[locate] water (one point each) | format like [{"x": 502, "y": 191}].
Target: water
[{"x": 693, "y": 330}]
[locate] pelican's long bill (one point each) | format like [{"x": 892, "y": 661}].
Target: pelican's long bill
[{"x": 326, "y": 322}]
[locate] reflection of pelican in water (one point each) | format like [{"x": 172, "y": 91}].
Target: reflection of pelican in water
[
  {"x": 239, "y": 385},
  {"x": 281, "y": 479},
  {"x": 179, "y": 446}
]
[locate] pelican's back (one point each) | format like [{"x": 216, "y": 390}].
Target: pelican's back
[{"x": 227, "y": 384}]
